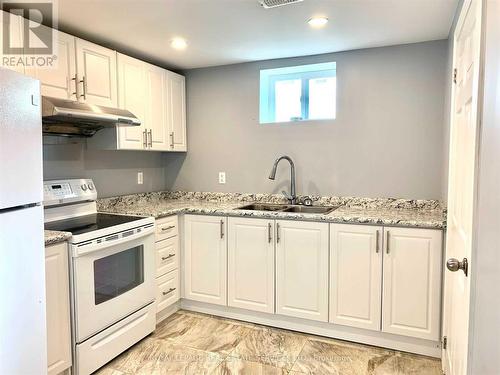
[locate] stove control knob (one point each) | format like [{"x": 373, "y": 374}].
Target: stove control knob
[
  {"x": 91, "y": 187},
  {"x": 84, "y": 187}
]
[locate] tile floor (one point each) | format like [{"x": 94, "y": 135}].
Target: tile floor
[{"x": 191, "y": 343}]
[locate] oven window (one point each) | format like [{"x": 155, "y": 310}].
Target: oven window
[{"x": 118, "y": 273}]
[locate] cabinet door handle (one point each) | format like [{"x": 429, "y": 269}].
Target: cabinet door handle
[
  {"x": 171, "y": 139},
  {"x": 75, "y": 78},
  {"x": 145, "y": 139},
  {"x": 167, "y": 257},
  {"x": 169, "y": 291},
  {"x": 387, "y": 240},
  {"x": 377, "y": 239},
  {"x": 150, "y": 137},
  {"x": 269, "y": 235},
  {"x": 278, "y": 233},
  {"x": 84, "y": 86},
  {"x": 167, "y": 228},
  {"x": 222, "y": 229}
]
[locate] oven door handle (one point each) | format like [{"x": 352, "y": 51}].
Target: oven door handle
[{"x": 88, "y": 247}]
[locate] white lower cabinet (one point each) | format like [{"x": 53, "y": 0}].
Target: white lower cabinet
[
  {"x": 412, "y": 282},
  {"x": 168, "y": 290},
  {"x": 58, "y": 309},
  {"x": 250, "y": 269},
  {"x": 356, "y": 275},
  {"x": 302, "y": 269},
  {"x": 205, "y": 259}
]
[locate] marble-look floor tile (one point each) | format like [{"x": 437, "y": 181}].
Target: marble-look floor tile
[
  {"x": 236, "y": 366},
  {"x": 178, "y": 325},
  {"x": 108, "y": 371},
  {"x": 321, "y": 357},
  {"x": 270, "y": 346},
  {"x": 157, "y": 357},
  {"x": 409, "y": 364},
  {"x": 214, "y": 335}
]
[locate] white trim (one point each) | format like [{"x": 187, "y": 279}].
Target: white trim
[
  {"x": 165, "y": 313},
  {"x": 396, "y": 342}
]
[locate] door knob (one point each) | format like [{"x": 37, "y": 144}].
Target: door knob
[{"x": 454, "y": 265}]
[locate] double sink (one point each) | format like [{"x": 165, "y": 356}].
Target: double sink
[{"x": 288, "y": 208}]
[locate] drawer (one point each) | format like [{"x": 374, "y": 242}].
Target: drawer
[
  {"x": 167, "y": 227},
  {"x": 168, "y": 290},
  {"x": 167, "y": 256}
]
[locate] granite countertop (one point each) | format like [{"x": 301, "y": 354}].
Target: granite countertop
[
  {"x": 52, "y": 237},
  {"x": 385, "y": 211}
]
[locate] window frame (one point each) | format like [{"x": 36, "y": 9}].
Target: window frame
[{"x": 269, "y": 77}]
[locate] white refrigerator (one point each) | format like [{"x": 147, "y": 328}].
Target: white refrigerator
[{"x": 23, "y": 336}]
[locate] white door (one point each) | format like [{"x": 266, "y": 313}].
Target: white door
[
  {"x": 205, "y": 259},
  {"x": 131, "y": 95},
  {"x": 356, "y": 275},
  {"x": 176, "y": 111},
  {"x": 15, "y": 41},
  {"x": 156, "y": 108},
  {"x": 59, "y": 81},
  {"x": 462, "y": 184},
  {"x": 58, "y": 318},
  {"x": 302, "y": 269},
  {"x": 96, "y": 68},
  {"x": 412, "y": 282},
  {"x": 251, "y": 264}
]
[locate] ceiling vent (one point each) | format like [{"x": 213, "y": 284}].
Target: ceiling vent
[{"x": 268, "y": 4}]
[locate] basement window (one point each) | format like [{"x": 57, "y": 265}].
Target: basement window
[{"x": 298, "y": 93}]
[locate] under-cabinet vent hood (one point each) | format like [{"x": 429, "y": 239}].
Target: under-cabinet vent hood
[{"x": 74, "y": 119}]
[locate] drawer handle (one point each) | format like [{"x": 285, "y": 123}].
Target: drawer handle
[
  {"x": 167, "y": 257},
  {"x": 167, "y": 228},
  {"x": 169, "y": 291}
]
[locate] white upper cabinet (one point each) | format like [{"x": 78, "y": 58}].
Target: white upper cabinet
[
  {"x": 251, "y": 264},
  {"x": 59, "y": 81},
  {"x": 176, "y": 111},
  {"x": 412, "y": 282},
  {"x": 302, "y": 269},
  {"x": 16, "y": 40},
  {"x": 96, "y": 70},
  {"x": 205, "y": 259},
  {"x": 356, "y": 275},
  {"x": 156, "y": 108},
  {"x": 131, "y": 90}
]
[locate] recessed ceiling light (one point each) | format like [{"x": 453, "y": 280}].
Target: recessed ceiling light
[
  {"x": 178, "y": 43},
  {"x": 317, "y": 21}
]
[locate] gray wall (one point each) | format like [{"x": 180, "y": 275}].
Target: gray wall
[
  {"x": 387, "y": 139},
  {"x": 114, "y": 172}
]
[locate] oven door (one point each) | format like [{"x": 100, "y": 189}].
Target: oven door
[{"x": 112, "y": 281}]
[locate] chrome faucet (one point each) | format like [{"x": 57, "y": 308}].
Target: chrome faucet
[{"x": 292, "y": 197}]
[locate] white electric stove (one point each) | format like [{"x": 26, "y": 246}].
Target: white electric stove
[{"x": 112, "y": 272}]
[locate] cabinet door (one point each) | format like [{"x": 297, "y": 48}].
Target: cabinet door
[
  {"x": 251, "y": 264},
  {"x": 15, "y": 41},
  {"x": 176, "y": 111},
  {"x": 302, "y": 269},
  {"x": 356, "y": 275},
  {"x": 132, "y": 90},
  {"x": 58, "y": 318},
  {"x": 412, "y": 282},
  {"x": 156, "y": 108},
  {"x": 205, "y": 259},
  {"x": 96, "y": 68},
  {"x": 59, "y": 81}
]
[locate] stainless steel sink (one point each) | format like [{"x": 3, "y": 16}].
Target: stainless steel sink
[
  {"x": 310, "y": 209},
  {"x": 264, "y": 207}
]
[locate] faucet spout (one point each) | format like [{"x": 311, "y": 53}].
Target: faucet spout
[{"x": 293, "y": 197}]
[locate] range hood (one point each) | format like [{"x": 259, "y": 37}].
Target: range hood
[{"x": 74, "y": 119}]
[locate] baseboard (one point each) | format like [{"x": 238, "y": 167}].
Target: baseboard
[
  {"x": 165, "y": 313},
  {"x": 385, "y": 340}
]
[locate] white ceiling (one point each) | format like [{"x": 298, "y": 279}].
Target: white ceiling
[{"x": 223, "y": 32}]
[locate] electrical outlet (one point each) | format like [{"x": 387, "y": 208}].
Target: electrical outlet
[
  {"x": 222, "y": 177},
  {"x": 140, "y": 178}
]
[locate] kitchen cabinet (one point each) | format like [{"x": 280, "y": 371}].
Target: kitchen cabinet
[
  {"x": 59, "y": 81},
  {"x": 205, "y": 259},
  {"x": 58, "y": 308},
  {"x": 176, "y": 111},
  {"x": 96, "y": 70},
  {"x": 356, "y": 275},
  {"x": 412, "y": 282},
  {"x": 302, "y": 269},
  {"x": 16, "y": 41},
  {"x": 251, "y": 264},
  {"x": 157, "y": 108}
]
